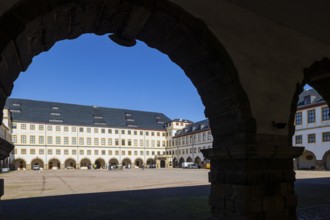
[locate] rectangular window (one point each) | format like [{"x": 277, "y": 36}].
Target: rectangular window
[
  {"x": 116, "y": 142},
  {"x": 141, "y": 143},
  {"x": 58, "y": 140},
  {"x": 298, "y": 139},
  {"x": 96, "y": 141},
  {"x": 123, "y": 142},
  {"x": 103, "y": 131},
  {"x": 74, "y": 152},
  {"x": 23, "y": 126},
  {"x": 109, "y": 131},
  {"x": 14, "y": 138},
  {"x": 122, "y": 131},
  {"x": 58, "y": 128},
  {"x": 66, "y": 152},
  {"x": 141, "y": 132},
  {"x": 103, "y": 152},
  {"x": 325, "y": 114},
  {"x": 66, "y": 140},
  {"x": 311, "y": 138},
  {"x": 135, "y": 142},
  {"x": 50, "y": 151},
  {"x": 152, "y": 133},
  {"x": 116, "y": 131},
  {"x": 96, "y": 130},
  {"x": 81, "y": 141},
  {"x": 109, "y": 141},
  {"x": 49, "y": 128},
  {"x": 32, "y": 151},
  {"x": 147, "y": 153},
  {"x": 129, "y": 153},
  {"x": 311, "y": 116},
  {"x": 41, "y": 140},
  {"x": 41, "y": 127},
  {"x": 158, "y": 143},
  {"x": 41, "y": 151},
  {"x": 23, "y": 151},
  {"x": 73, "y": 129},
  {"x": 23, "y": 139},
  {"x": 89, "y": 152},
  {"x": 32, "y": 139},
  {"x": 326, "y": 136},
  {"x": 141, "y": 153},
  {"x": 81, "y": 129},
  {"x": 153, "y": 143},
  {"x": 81, "y": 152},
  {"x": 135, "y": 153},
  {"x": 147, "y": 143},
  {"x": 135, "y": 132},
  {"x": 109, "y": 152},
  {"x": 89, "y": 141},
  {"x": 58, "y": 151},
  {"x": 96, "y": 152},
  {"x": 102, "y": 141},
  {"x": 88, "y": 130},
  {"x": 123, "y": 152},
  {"x": 32, "y": 127},
  {"x": 74, "y": 140},
  {"x": 117, "y": 152},
  {"x": 66, "y": 129},
  {"x": 129, "y": 142}
]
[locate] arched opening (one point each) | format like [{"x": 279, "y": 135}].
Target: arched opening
[
  {"x": 113, "y": 162},
  {"x": 162, "y": 163},
  {"x": 138, "y": 163},
  {"x": 326, "y": 160},
  {"x": 175, "y": 163},
  {"x": 99, "y": 164},
  {"x": 151, "y": 163},
  {"x": 181, "y": 161},
  {"x": 54, "y": 164},
  {"x": 189, "y": 159},
  {"x": 186, "y": 40},
  {"x": 70, "y": 164},
  {"x": 20, "y": 164},
  {"x": 85, "y": 164},
  {"x": 37, "y": 164},
  {"x": 307, "y": 161},
  {"x": 127, "y": 163},
  {"x": 198, "y": 161}
]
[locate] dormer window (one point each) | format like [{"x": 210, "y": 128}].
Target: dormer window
[
  {"x": 16, "y": 104},
  {"x": 55, "y": 114},
  {"x": 98, "y": 117},
  {"x": 307, "y": 100},
  {"x": 55, "y": 108}
]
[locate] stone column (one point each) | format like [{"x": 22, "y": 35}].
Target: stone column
[{"x": 252, "y": 182}]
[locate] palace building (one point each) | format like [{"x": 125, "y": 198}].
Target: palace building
[
  {"x": 57, "y": 136},
  {"x": 312, "y": 131}
]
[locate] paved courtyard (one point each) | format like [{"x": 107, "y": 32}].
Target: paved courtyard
[{"x": 149, "y": 194}]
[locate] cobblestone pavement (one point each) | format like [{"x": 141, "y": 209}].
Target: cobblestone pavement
[{"x": 319, "y": 212}]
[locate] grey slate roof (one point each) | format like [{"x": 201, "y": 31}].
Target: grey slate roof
[
  {"x": 195, "y": 127},
  {"x": 81, "y": 115},
  {"x": 311, "y": 92}
]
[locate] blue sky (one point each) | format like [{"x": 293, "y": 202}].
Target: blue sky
[{"x": 92, "y": 70}]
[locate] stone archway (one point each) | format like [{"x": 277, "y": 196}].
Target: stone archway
[
  {"x": 70, "y": 164},
  {"x": 39, "y": 162},
  {"x": 85, "y": 164},
  {"x": 198, "y": 161},
  {"x": 181, "y": 161},
  {"x": 100, "y": 164},
  {"x": 162, "y": 163},
  {"x": 189, "y": 159},
  {"x": 127, "y": 163},
  {"x": 307, "y": 161},
  {"x": 20, "y": 164},
  {"x": 175, "y": 163},
  {"x": 113, "y": 162},
  {"x": 54, "y": 164},
  {"x": 326, "y": 160},
  {"x": 138, "y": 163},
  {"x": 163, "y": 25}
]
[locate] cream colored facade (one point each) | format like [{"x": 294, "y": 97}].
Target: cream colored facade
[
  {"x": 5, "y": 133},
  {"x": 187, "y": 145},
  {"x": 63, "y": 146}
]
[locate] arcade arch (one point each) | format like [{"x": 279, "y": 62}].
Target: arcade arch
[
  {"x": 54, "y": 164},
  {"x": 85, "y": 163},
  {"x": 20, "y": 164},
  {"x": 138, "y": 163},
  {"x": 100, "y": 164},
  {"x": 38, "y": 162},
  {"x": 70, "y": 164},
  {"x": 127, "y": 163},
  {"x": 113, "y": 162},
  {"x": 307, "y": 161}
]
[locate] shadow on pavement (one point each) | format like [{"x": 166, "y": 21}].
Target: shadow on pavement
[{"x": 166, "y": 203}]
